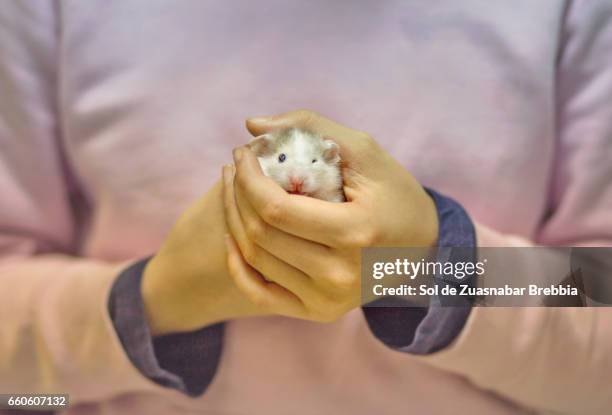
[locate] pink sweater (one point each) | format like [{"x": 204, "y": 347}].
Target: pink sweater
[{"x": 505, "y": 106}]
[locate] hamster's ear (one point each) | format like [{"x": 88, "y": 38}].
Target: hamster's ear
[
  {"x": 331, "y": 154},
  {"x": 261, "y": 145}
]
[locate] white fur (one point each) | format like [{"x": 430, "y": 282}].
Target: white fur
[{"x": 322, "y": 179}]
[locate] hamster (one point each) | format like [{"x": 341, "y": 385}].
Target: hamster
[{"x": 301, "y": 162}]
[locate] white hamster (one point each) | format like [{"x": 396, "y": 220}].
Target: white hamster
[{"x": 301, "y": 162}]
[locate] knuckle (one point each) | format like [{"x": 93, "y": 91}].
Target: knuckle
[
  {"x": 232, "y": 267},
  {"x": 259, "y": 299},
  {"x": 240, "y": 178},
  {"x": 227, "y": 202},
  {"x": 250, "y": 256},
  {"x": 371, "y": 236},
  {"x": 344, "y": 282},
  {"x": 348, "y": 240},
  {"x": 255, "y": 230},
  {"x": 273, "y": 212},
  {"x": 368, "y": 236}
]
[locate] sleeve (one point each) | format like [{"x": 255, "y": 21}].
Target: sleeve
[
  {"x": 56, "y": 335},
  {"x": 419, "y": 330},
  {"x": 183, "y": 361},
  {"x": 557, "y": 359}
]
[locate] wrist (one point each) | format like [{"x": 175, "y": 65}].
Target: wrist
[
  {"x": 177, "y": 300},
  {"x": 455, "y": 227},
  {"x": 431, "y": 223},
  {"x": 153, "y": 303},
  {"x": 162, "y": 301}
]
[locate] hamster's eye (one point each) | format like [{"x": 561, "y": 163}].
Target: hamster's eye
[
  {"x": 282, "y": 157},
  {"x": 314, "y": 160}
]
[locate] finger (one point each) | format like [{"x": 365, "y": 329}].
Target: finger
[
  {"x": 268, "y": 265},
  {"x": 323, "y": 267},
  {"x": 300, "y": 119},
  {"x": 309, "y": 218},
  {"x": 264, "y": 294},
  {"x": 310, "y": 257}
]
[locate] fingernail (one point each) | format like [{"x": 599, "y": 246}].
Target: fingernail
[
  {"x": 259, "y": 119},
  {"x": 237, "y": 154}
]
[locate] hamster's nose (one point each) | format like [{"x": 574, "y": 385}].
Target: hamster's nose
[{"x": 296, "y": 183}]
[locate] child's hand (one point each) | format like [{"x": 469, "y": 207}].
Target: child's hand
[{"x": 308, "y": 249}]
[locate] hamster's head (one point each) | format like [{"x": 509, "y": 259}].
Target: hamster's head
[{"x": 299, "y": 161}]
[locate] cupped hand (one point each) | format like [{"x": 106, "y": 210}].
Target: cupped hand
[{"x": 299, "y": 256}]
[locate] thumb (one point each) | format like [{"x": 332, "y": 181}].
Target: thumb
[
  {"x": 299, "y": 119},
  {"x": 258, "y": 125},
  {"x": 264, "y": 124}
]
